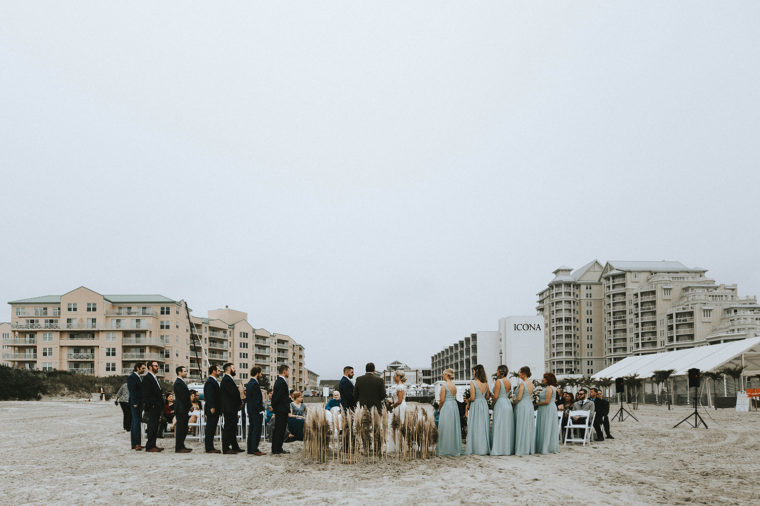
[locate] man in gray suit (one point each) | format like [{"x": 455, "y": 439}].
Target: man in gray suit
[
  {"x": 370, "y": 389},
  {"x": 582, "y": 404}
]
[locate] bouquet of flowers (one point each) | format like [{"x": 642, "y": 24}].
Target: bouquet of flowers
[{"x": 537, "y": 395}]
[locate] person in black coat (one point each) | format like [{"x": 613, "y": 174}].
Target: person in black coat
[
  {"x": 154, "y": 402},
  {"x": 281, "y": 408},
  {"x": 231, "y": 404},
  {"x": 602, "y": 410},
  {"x": 211, "y": 406},
  {"x": 370, "y": 389},
  {"x": 255, "y": 408},
  {"x": 134, "y": 385},
  {"x": 346, "y": 389},
  {"x": 181, "y": 410}
]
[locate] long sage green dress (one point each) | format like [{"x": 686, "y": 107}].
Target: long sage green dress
[
  {"x": 449, "y": 428},
  {"x": 503, "y": 439},
  {"x": 478, "y": 426},
  {"x": 547, "y": 426},
  {"x": 525, "y": 429}
]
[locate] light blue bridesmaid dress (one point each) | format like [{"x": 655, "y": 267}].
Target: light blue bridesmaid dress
[
  {"x": 478, "y": 425},
  {"x": 449, "y": 428},
  {"x": 525, "y": 430},
  {"x": 547, "y": 426},
  {"x": 503, "y": 440}
]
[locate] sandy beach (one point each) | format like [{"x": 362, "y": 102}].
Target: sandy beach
[{"x": 71, "y": 452}]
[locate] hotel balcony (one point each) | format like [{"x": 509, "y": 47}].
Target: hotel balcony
[
  {"x": 144, "y": 341},
  {"x": 82, "y": 370},
  {"x": 39, "y": 313},
  {"x": 219, "y": 356},
  {"x": 138, "y": 312},
  {"x": 218, "y": 345},
  {"x": 24, "y": 357},
  {"x": 260, "y": 340},
  {"x": 127, "y": 325},
  {"x": 21, "y": 341},
  {"x": 217, "y": 334},
  {"x": 36, "y": 326},
  {"x": 81, "y": 356},
  {"x": 143, "y": 356}
]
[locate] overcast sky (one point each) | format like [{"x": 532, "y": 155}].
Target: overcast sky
[{"x": 375, "y": 179}]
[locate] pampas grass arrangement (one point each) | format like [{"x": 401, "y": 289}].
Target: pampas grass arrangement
[{"x": 365, "y": 433}]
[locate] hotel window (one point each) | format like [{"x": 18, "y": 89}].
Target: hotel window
[
  {"x": 165, "y": 324},
  {"x": 110, "y": 352},
  {"x": 243, "y": 365},
  {"x": 111, "y": 336},
  {"x": 166, "y": 368},
  {"x": 166, "y": 310},
  {"x": 71, "y": 307},
  {"x": 47, "y": 366},
  {"x": 244, "y": 345},
  {"x": 244, "y": 375},
  {"x": 92, "y": 323},
  {"x": 244, "y": 335},
  {"x": 243, "y": 354},
  {"x": 666, "y": 292},
  {"x": 47, "y": 352},
  {"x": 110, "y": 366},
  {"x": 168, "y": 354},
  {"x": 706, "y": 314},
  {"x": 47, "y": 336},
  {"x": 92, "y": 307}
]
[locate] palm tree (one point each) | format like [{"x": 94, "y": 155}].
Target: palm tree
[
  {"x": 713, "y": 376},
  {"x": 604, "y": 384},
  {"x": 735, "y": 372},
  {"x": 632, "y": 384},
  {"x": 659, "y": 378}
]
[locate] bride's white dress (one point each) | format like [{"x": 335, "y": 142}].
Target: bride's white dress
[{"x": 400, "y": 409}]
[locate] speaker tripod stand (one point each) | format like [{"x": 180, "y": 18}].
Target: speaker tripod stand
[
  {"x": 622, "y": 413},
  {"x": 697, "y": 417}
]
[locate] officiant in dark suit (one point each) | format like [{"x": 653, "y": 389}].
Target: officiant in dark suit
[
  {"x": 281, "y": 408},
  {"x": 370, "y": 389}
]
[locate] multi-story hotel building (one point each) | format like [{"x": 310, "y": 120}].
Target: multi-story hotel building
[
  {"x": 647, "y": 307},
  {"x": 573, "y": 320},
  {"x": 86, "y": 332}
]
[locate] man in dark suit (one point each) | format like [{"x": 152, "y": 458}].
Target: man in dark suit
[
  {"x": 231, "y": 404},
  {"x": 346, "y": 389},
  {"x": 602, "y": 409},
  {"x": 255, "y": 408},
  {"x": 154, "y": 402},
  {"x": 134, "y": 385},
  {"x": 181, "y": 409},
  {"x": 370, "y": 389},
  {"x": 281, "y": 408},
  {"x": 211, "y": 406}
]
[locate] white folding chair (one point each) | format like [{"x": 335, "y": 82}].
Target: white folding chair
[
  {"x": 579, "y": 431},
  {"x": 198, "y": 425},
  {"x": 559, "y": 424},
  {"x": 240, "y": 434}
]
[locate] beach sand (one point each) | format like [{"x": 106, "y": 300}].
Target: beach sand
[{"x": 76, "y": 453}]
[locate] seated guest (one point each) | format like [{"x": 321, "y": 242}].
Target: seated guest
[
  {"x": 567, "y": 405},
  {"x": 602, "y": 409},
  {"x": 297, "y": 416},
  {"x": 582, "y": 404},
  {"x": 195, "y": 413},
  {"x": 334, "y": 402},
  {"x": 560, "y": 399},
  {"x": 167, "y": 415},
  {"x": 195, "y": 398}
]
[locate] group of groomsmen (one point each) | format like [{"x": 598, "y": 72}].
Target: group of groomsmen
[{"x": 221, "y": 396}]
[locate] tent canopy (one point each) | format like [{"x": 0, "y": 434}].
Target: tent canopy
[{"x": 704, "y": 358}]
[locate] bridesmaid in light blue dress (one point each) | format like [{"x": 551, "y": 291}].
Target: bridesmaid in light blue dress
[
  {"x": 503, "y": 439},
  {"x": 449, "y": 428},
  {"x": 478, "y": 415},
  {"x": 525, "y": 429},
  {"x": 547, "y": 425}
]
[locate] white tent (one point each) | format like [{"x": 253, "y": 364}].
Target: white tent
[{"x": 744, "y": 352}]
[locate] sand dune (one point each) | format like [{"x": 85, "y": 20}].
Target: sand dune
[{"x": 74, "y": 452}]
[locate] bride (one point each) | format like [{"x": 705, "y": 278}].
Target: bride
[{"x": 399, "y": 394}]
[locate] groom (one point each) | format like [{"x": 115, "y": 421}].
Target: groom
[{"x": 370, "y": 389}]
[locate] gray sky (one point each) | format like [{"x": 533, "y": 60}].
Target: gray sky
[{"x": 376, "y": 179}]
